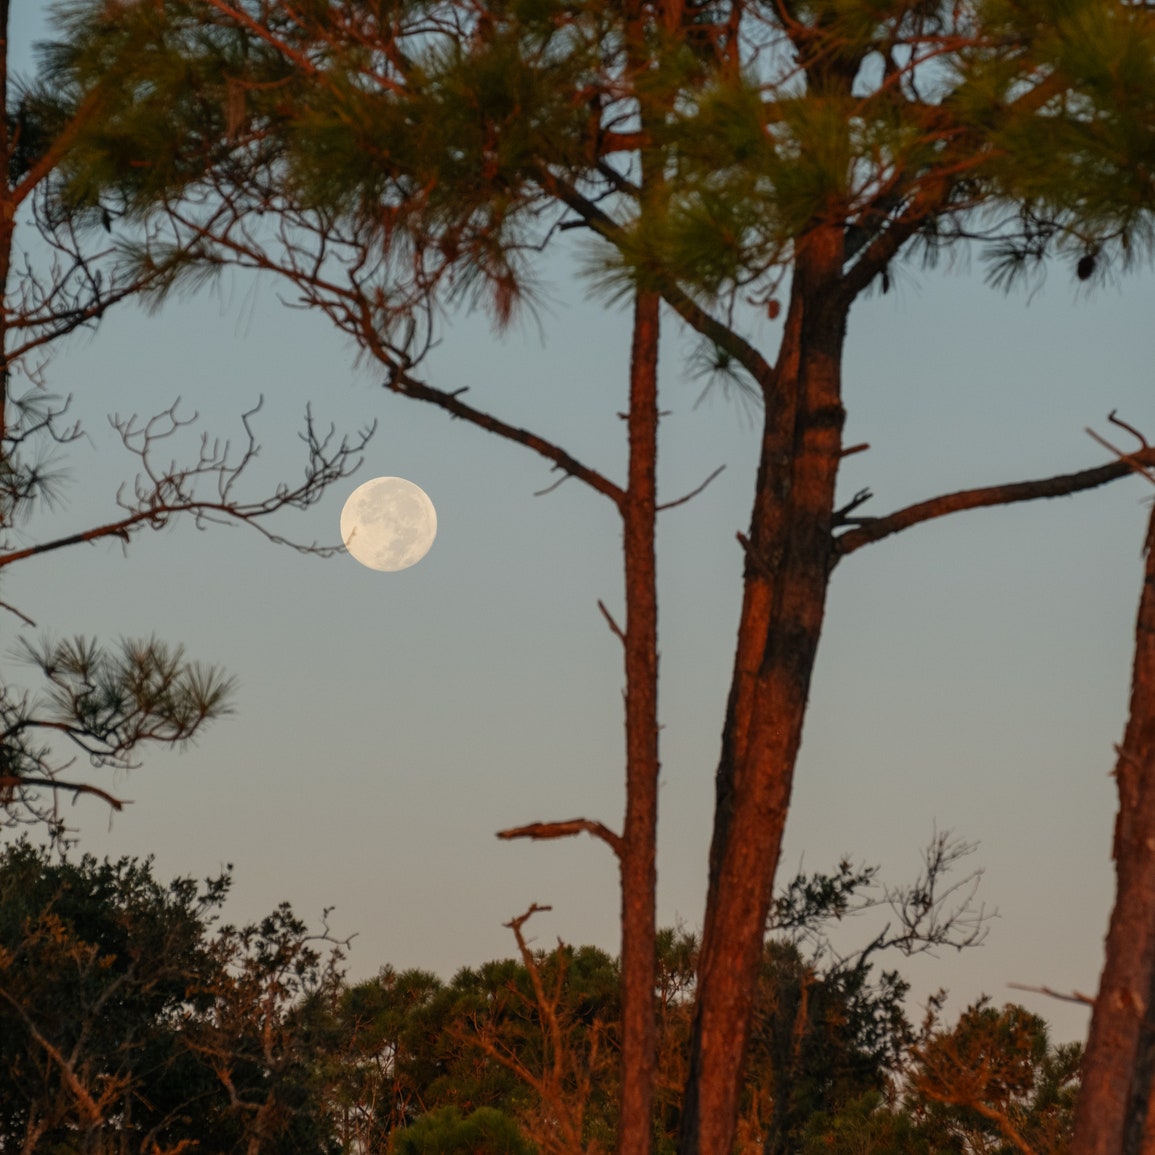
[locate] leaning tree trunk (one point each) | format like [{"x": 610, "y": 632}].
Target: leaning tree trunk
[
  {"x": 1112, "y": 1114},
  {"x": 789, "y": 553}
]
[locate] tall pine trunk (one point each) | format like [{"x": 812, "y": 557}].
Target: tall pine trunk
[
  {"x": 1113, "y": 1114},
  {"x": 788, "y": 561},
  {"x": 638, "y": 854}
]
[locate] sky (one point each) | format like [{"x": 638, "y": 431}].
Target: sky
[{"x": 972, "y": 676}]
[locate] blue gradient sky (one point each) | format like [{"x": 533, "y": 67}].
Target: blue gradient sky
[{"x": 973, "y": 673}]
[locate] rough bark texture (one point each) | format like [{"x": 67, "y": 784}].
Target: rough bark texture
[
  {"x": 1113, "y": 1116},
  {"x": 789, "y": 554},
  {"x": 639, "y": 834}
]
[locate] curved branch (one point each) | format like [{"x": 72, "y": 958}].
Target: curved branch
[
  {"x": 14, "y": 782},
  {"x": 409, "y": 386},
  {"x": 692, "y": 494},
  {"x": 1061, "y": 486}
]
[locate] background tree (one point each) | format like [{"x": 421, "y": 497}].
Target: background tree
[
  {"x": 127, "y": 1020},
  {"x": 782, "y": 157},
  {"x": 994, "y": 1082}
]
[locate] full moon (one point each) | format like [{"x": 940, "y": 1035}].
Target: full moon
[{"x": 388, "y": 524}]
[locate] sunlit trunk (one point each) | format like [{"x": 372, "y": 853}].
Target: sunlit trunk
[
  {"x": 1113, "y": 1114},
  {"x": 788, "y": 561},
  {"x": 639, "y": 834}
]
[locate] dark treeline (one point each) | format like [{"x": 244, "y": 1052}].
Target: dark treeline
[{"x": 133, "y": 1020}]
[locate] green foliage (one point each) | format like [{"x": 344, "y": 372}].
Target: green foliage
[
  {"x": 128, "y": 1016},
  {"x": 108, "y": 702},
  {"x": 446, "y": 1131},
  {"x": 444, "y": 140},
  {"x": 870, "y": 1124},
  {"x": 412, "y": 1044},
  {"x": 125, "y": 1020},
  {"x": 995, "y": 1082}
]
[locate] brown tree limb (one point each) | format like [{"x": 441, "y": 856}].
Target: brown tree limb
[
  {"x": 1061, "y": 486},
  {"x": 1129, "y": 458},
  {"x": 1071, "y": 997},
  {"x": 14, "y": 782},
  {"x": 1004, "y": 1124},
  {"x": 567, "y": 829},
  {"x": 408, "y": 386}
]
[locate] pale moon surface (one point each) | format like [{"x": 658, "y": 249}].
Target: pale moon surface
[{"x": 388, "y": 524}]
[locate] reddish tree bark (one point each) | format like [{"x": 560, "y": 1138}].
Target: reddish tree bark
[
  {"x": 1113, "y": 1115},
  {"x": 789, "y": 555},
  {"x": 638, "y": 853}
]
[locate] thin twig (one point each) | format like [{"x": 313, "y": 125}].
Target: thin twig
[
  {"x": 1130, "y": 459},
  {"x": 842, "y": 516},
  {"x": 1130, "y": 428},
  {"x": 1072, "y": 997},
  {"x": 617, "y": 630},
  {"x": 693, "y": 492},
  {"x": 22, "y": 616},
  {"x": 550, "y": 488},
  {"x": 409, "y": 386}
]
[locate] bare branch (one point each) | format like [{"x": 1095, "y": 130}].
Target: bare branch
[
  {"x": 1061, "y": 486},
  {"x": 544, "y": 830},
  {"x": 17, "y": 783},
  {"x": 550, "y": 488},
  {"x": 409, "y": 386},
  {"x": 615, "y": 629},
  {"x": 163, "y": 492},
  {"x": 1127, "y": 458},
  {"x": 693, "y": 492},
  {"x": 842, "y": 516},
  {"x": 22, "y": 616},
  {"x": 1116, "y": 420},
  {"x": 1072, "y": 997}
]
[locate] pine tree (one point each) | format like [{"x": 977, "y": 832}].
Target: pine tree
[
  {"x": 105, "y": 703},
  {"x": 723, "y": 157}
]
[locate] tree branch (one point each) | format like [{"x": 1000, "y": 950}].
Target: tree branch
[
  {"x": 408, "y": 386},
  {"x": 1061, "y": 486},
  {"x": 1072, "y": 997},
  {"x": 15, "y": 782},
  {"x": 543, "y": 830},
  {"x": 681, "y": 302},
  {"x": 615, "y": 629}
]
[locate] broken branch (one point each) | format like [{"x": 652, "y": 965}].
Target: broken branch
[{"x": 543, "y": 830}]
